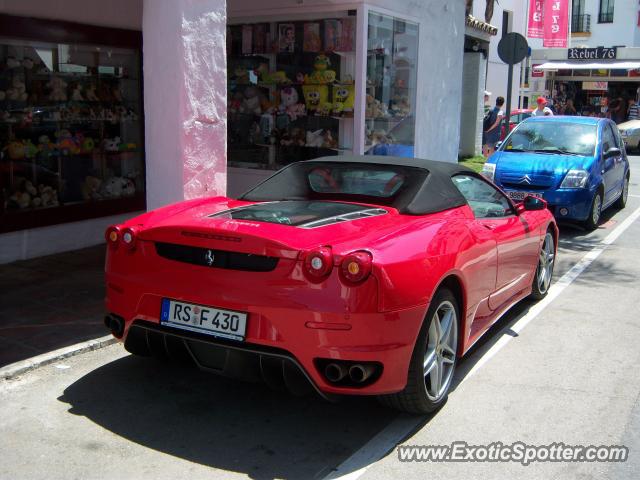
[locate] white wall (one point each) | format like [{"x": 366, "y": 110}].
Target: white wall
[
  {"x": 497, "y": 70},
  {"x": 623, "y": 30},
  {"x": 472, "y": 111},
  {"x": 59, "y": 238},
  {"x": 185, "y": 99}
]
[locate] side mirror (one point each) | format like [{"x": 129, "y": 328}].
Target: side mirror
[
  {"x": 499, "y": 144},
  {"x": 534, "y": 203},
  {"x": 612, "y": 152}
]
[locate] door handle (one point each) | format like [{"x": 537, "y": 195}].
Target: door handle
[{"x": 488, "y": 226}]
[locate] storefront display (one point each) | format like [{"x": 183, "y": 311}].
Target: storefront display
[
  {"x": 290, "y": 91},
  {"x": 70, "y": 132},
  {"x": 392, "y": 56}
]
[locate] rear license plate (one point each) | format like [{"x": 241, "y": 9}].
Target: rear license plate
[
  {"x": 519, "y": 196},
  {"x": 203, "y": 319}
]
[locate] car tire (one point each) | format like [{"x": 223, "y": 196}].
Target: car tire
[
  {"x": 595, "y": 212},
  {"x": 624, "y": 195},
  {"x": 544, "y": 270},
  {"x": 434, "y": 356}
]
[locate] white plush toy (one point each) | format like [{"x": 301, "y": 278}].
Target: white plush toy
[
  {"x": 112, "y": 187},
  {"x": 58, "y": 89},
  {"x": 314, "y": 139},
  {"x": 111, "y": 144},
  {"x": 289, "y": 103}
]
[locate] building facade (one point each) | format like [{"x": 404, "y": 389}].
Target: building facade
[
  {"x": 112, "y": 108},
  {"x": 602, "y": 62}
]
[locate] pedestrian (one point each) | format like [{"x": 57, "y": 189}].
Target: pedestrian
[
  {"x": 618, "y": 110},
  {"x": 487, "y": 102},
  {"x": 634, "y": 111},
  {"x": 569, "y": 108},
  {"x": 492, "y": 126},
  {"x": 542, "y": 109}
]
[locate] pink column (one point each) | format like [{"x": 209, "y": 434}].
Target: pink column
[{"x": 185, "y": 99}]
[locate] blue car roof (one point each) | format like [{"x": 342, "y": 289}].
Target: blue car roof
[{"x": 567, "y": 118}]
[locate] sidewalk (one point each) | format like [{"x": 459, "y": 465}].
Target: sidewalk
[{"x": 51, "y": 302}]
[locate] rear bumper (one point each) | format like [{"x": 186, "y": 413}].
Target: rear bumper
[
  {"x": 303, "y": 323},
  {"x": 275, "y": 367}
]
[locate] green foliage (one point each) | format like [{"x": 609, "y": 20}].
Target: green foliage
[{"x": 474, "y": 163}]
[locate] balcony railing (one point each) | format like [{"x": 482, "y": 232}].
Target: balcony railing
[
  {"x": 605, "y": 17},
  {"x": 581, "y": 23}
]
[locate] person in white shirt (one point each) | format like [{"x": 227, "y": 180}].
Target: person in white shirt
[{"x": 542, "y": 109}]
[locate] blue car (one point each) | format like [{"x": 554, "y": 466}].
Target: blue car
[{"x": 577, "y": 164}]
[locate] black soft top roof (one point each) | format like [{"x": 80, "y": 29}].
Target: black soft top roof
[{"x": 434, "y": 192}]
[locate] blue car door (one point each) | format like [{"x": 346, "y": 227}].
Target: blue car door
[{"x": 611, "y": 176}]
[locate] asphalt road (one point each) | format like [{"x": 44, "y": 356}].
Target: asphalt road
[{"x": 564, "y": 373}]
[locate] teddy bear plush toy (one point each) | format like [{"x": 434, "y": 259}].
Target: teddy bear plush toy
[
  {"x": 48, "y": 195},
  {"x": 18, "y": 91},
  {"x": 58, "y": 89},
  {"x": 90, "y": 93},
  {"x": 251, "y": 102},
  {"x": 91, "y": 188},
  {"x": 76, "y": 94}
]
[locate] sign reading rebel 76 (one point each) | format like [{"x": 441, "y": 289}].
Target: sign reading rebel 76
[{"x": 599, "y": 53}]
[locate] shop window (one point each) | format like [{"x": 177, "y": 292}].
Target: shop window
[
  {"x": 392, "y": 56},
  {"x": 605, "y": 14},
  {"x": 291, "y": 91},
  {"x": 70, "y": 131}
]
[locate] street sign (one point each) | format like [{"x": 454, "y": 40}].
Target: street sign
[{"x": 513, "y": 48}]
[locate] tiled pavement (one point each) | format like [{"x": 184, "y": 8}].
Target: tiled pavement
[{"x": 51, "y": 302}]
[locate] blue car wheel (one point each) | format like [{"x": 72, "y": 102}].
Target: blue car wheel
[
  {"x": 622, "y": 200},
  {"x": 591, "y": 223}
]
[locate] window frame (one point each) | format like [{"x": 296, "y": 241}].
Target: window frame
[
  {"x": 489, "y": 184},
  {"x": 606, "y": 11}
]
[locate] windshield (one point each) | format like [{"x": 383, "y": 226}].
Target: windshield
[{"x": 553, "y": 137}]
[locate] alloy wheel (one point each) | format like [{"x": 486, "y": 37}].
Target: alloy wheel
[
  {"x": 546, "y": 263},
  {"x": 440, "y": 355},
  {"x": 597, "y": 209}
]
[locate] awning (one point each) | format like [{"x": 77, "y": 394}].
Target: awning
[{"x": 588, "y": 66}]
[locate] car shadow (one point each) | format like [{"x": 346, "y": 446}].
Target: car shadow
[{"x": 223, "y": 423}]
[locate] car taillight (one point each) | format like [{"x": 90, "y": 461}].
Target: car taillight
[
  {"x": 356, "y": 267},
  {"x": 318, "y": 263},
  {"x": 128, "y": 237},
  {"x": 112, "y": 235}
]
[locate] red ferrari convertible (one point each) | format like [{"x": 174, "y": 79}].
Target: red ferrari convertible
[{"x": 347, "y": 275}]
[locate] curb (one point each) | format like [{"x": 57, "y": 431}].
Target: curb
[{"x": 13, "y": 370}]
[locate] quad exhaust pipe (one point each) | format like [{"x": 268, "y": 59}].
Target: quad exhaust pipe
[
  {"x": 115, "y": 324},
  {"x": 360, "y": 373},
  {"x": 356, "y": 373},
  {"x": 335, "y": 372}
]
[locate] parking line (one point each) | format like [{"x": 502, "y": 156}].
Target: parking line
[{"x": 387, "y": 439}]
